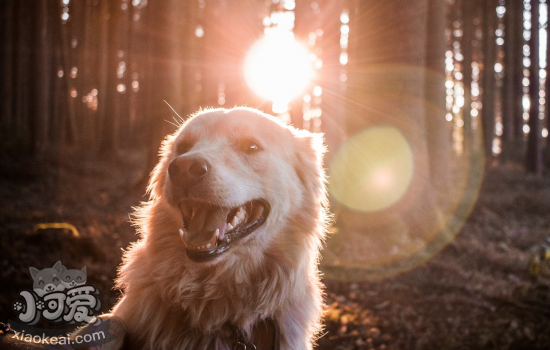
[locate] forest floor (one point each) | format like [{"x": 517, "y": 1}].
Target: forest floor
[{"x": 485, "y": 290}]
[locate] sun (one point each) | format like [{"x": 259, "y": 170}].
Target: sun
[{"x": 278, "y": 68}]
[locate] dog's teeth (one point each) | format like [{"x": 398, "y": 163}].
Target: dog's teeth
[
  {"x": 208, "y": 245},
  {"x": 229, "y": 227},
  {"x": 182, "y": 236},
  {"x": 241, "y": 213},
  {"x": 258, "y": 212},
  {"x": 222, "y": 230},
  {"x": 217, "y": 233},
  {"x": 235, "y": 221}
]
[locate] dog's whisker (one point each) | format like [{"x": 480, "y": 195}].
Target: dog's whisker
[
  {"x": 169, "y": 122},
  {"x": 177, "y": 122},
  {"x": 173, "y": 110}
]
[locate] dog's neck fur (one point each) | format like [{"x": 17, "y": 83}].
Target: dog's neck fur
[{"x": 180, "y": 298}]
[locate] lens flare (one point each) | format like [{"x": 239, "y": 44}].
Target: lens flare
[
  {"x": 372, "y": 170},
  {"x": 278, "y": 67},
  {"x": 397, "y": 196}
]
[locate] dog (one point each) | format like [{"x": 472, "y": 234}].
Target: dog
[
  {"x": 47, "y": 280},
  {"x": 230, "y": 238}
]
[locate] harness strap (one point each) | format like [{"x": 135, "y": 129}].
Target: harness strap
[{"x": 265, "y": 336}]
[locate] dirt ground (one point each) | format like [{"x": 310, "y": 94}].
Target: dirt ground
[{"x": 488, "y": 289}]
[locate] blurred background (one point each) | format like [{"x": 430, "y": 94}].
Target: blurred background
[{"x": 434, "y": 113}]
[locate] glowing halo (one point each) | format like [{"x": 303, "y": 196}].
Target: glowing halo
[
  {"x": 403, "y": 233},
  {"x": 373, "y": 170},
  {"x": 278, "y": 68}
]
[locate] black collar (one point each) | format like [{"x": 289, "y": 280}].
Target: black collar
[{"x": 265, "y": 336}]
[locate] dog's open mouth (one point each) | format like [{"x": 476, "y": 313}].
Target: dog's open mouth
[{"x": 209, "y": 229}]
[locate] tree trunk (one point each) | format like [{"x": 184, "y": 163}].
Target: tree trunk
[
  {"x": 488, "y": 97},
  {"x": 122, "y": 108},
  {"x": 59, "y": 112},
  {"x": 86, "y": 74},
  {"x": 165, "y": 84},
  {"x": 518, "y": 76},
  {"x": 468, "y": 10},
  {"x": 438, "y": 130},
  {"x": 41, "y": 86},
  {"x": 7, "y": 33},
  {"x": 510, "y": 102},
  {"x": 104, "y": 95},
  {"x": 72, "y": 132},
  {"x": 546, "y": 153},
  {"x": 534, "y": 148},
  {"x": 22, "y": 76},
  {"x": 110, "y": 94}
]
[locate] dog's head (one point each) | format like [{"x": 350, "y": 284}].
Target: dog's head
[{"x": 235, "y": 179}]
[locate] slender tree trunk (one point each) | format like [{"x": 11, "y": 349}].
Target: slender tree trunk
[
  {"x": 42, "y": 72},
  {"x": 108, "y": 130},
  {"x": 534, "y": 148},
  {"x": 546, "y": 152},
  {"x": 103, "y": 95},
  {"x": 166, "y": 82},
  {"x": 518, "y": 76},
  {"x": 152, "y": 134},
  {"x": 86, "y": 74},
  {"x": 7, "y": 23},
  {"x": 72, "y": 132},
  {"x": 510, "y": 102},
  {"x": 58, "y": 121},
  {"x": 122, "y": 101},
  {"x": 22, "y": 74},
  {"x": 333, "y": 104},
  {"x": 468, "y": 11},
  {"x": 488, "y": 111},
  {"x": 438, "y": 131}
]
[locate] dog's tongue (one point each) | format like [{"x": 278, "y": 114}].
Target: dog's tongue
[{"x": 206, "y": 219}]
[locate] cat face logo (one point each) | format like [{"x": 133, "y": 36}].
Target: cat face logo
[
  {"x": 47, "y": 280},
  {"x": 72, "y": 278},
  {"x": 58, "y": 295}
]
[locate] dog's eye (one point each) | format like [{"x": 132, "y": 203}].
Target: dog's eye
[
  {"x": 183, "y": 147},
  {"x": 40, "y": 283},
  {"x": 55, "y": 279},
  {"x": 249, "y": 146}
]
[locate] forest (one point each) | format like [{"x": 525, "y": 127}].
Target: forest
[{"x": 434, "y": 113}]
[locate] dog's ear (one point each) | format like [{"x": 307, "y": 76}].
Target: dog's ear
[
  {"x": 34, "y": 271},
  {"x": 309, "y": 163},
  {"x": 58, "y": 266},
  {"x": 158, "y": 175}
]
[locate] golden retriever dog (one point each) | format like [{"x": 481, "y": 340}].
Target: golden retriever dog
[{"x": 230, "y": 238}]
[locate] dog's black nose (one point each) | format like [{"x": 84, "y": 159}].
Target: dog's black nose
[{"x": 185, "y": 170}]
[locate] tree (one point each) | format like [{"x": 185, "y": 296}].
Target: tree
[
  {"x": 108, "y": 114},
  {"x": 469, "y": 9},
  {"x": 438, "y": 131},
  {"x": 7, "y": 62},
  {"x": 517, "y": 69},
  {"x": 488, "y": 98},
  {"x": 534, "y": 148},
  {"x": 512, "y": 51}
]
